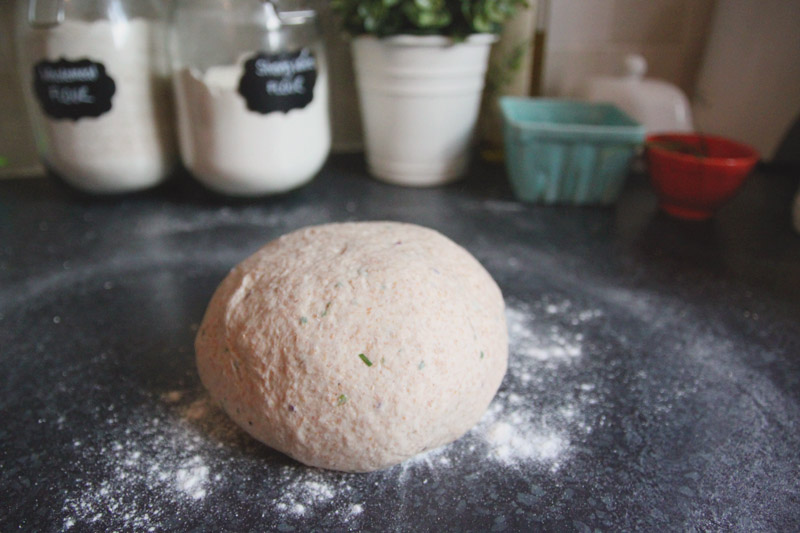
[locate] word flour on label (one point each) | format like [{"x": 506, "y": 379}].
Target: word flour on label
[
  {"x": 279, "y": 82},
  {"x": 73, "y": 89}
]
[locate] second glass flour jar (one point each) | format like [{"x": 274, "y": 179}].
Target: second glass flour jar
[{"x": 251, "y": 90}]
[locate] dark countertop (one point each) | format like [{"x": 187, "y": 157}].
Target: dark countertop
[{"x": 654, "y": 381}]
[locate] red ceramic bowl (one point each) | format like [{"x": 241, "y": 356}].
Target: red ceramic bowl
[{"x": 695, "y": 174}]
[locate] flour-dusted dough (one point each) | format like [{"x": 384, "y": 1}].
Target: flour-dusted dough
[{"x": 355, "y": 346}]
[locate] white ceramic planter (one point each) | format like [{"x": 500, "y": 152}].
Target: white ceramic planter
[{"x": 420, "y": 97}]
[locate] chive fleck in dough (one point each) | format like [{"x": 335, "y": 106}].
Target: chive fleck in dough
[{"x": 355, "y": 346}]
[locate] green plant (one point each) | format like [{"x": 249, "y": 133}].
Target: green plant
[
  {"x": 456, "y": 18},
  {"x": 501, "y": 72}
]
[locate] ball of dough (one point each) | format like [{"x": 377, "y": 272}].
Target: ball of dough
[{"x": 355, "y": 346}]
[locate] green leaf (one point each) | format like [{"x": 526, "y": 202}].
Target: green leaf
[
  {"x": 365, "y": 359},
  {"x": 454, "y": 18}
]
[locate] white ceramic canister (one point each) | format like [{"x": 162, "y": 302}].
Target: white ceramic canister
[
  {"x": 97, "y": 78},
  {"x": 659, "y": 105},
  {"x": 251, "y": 86}
]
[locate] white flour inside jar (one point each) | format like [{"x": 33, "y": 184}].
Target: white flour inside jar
[
  {"x": 242, "y": 152},
  {"x": 132, "y": 145}
]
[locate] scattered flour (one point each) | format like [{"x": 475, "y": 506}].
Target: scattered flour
[
  {"x": 154, "y": 458},
  {"x": 173, "y": 460},
  {"x": 307, "y": 492},
  {"x": 512, "y": 441},
  {"x": 534, "y": 418},
  {"x": 190, "y": 222},
  {"x": 192, "y": 477},
  {"x": 556, "y": 343},
  {"x": 356, "y": 509}
]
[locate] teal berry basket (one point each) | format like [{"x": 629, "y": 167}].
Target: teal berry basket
[{"x": 567, "y": 152}]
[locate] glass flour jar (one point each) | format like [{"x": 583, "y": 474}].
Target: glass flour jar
[
  {"x": 97, "y": 81},
  {"x": 251, "y": 89}
]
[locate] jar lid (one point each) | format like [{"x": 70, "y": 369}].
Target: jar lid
[
  {"x": 45, "y": 13},
  {"x": 276, "y": 16}
]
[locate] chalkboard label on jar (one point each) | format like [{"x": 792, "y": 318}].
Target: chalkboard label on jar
[
  {"x": 279, "y": 82},
  {"x": 73, "y": 89}
]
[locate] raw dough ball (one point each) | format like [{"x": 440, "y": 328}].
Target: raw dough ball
[{"x": 355, "y": 346}]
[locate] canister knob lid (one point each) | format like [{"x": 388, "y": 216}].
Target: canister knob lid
[{"x": 635, "y": 66}]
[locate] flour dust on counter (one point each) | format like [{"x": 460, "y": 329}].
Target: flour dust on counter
[
  {"x": 278, "y": 216},
  {"x": 159, "y": 465},
  {"x": 153, "y": 466},
  {"x": 176, "y": 454}
]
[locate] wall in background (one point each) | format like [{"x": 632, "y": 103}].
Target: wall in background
[
  {"x": 738, "y": 61},
  {"x": 592, "y": 37},
  {"x": 749, "y": 82},
  {"x": 16, "y": 141}
]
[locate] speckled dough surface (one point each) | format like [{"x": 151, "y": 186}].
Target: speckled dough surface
[{"x": 355, "y": 346}]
